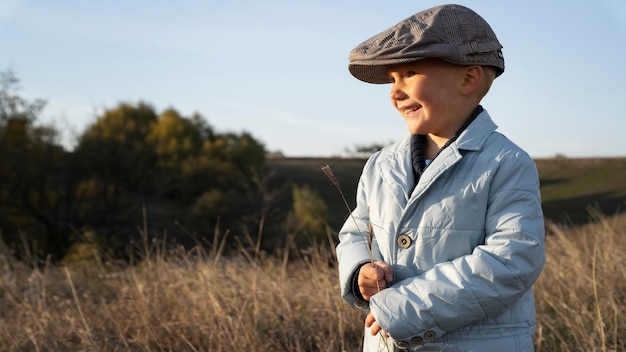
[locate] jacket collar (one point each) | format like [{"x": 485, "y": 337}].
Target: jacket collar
[
  {"x": 396, "y": 166},
  {"x": 474, "y": 137}
]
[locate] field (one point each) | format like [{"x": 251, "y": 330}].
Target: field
[
  {"x": 173, "y": 299},
  {"x": 569, "y": 187}
]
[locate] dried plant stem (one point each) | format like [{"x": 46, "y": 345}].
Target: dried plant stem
[
  {"x": 189, "y": 344},
  {"x": 331, "y": 175},
  {"x": 600, "y": 324},
  {"x": 370, "y": 231},
  {"x": 77, "y": 301}
]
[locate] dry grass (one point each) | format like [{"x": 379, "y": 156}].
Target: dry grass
[
  {"x": 581, "y": 294},
  {"x": 194, "y": 301},
  {"x": 176, "y": 302}
]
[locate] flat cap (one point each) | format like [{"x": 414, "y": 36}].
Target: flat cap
[{"x": 453, "y": 33}]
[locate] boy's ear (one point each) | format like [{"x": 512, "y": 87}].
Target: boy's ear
[{"x": 472, "y": 79}]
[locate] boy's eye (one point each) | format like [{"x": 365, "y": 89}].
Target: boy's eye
[{"x": 410, "y": 73}]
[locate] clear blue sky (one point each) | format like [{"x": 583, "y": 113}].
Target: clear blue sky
[{"x": 278, "y": 68}]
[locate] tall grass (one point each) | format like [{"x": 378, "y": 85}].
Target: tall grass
[
  {"x": 177, "y": 300},
  {"x": 581, "y": 294}
]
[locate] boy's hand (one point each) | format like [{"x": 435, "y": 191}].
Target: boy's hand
[
  {"x": 371, "y": 323},
  {"x": 374, "y": 277}
]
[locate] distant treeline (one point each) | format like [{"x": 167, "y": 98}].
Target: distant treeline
[
  {"x": 132, "y": 166},
  {"x": 138, "y": 174}
]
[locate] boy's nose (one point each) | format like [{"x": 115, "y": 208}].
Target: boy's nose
[{"x": 397, "y": 93}]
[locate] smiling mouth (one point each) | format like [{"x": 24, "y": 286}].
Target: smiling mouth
[{"x": 411, "y": 110}]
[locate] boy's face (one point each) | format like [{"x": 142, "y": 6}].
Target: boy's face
[{"x": 427, "y": 94}]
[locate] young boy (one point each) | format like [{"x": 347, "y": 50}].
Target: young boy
[{"x": 454, "y": 206}]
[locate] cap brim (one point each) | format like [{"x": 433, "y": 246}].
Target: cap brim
[{"x": 376, "y": 71}]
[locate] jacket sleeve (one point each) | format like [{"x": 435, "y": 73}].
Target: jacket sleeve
[
  {"x": 353, "y": 249},
  {"x": 484, "y": 283}
]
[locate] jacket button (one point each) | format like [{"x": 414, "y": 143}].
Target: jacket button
[
  {"x": 430, "y": 335},
  {"x": 404, "y": 241},
  {"x": 417, "y": 340},
  {"x": 402, "y": 344},
  {"x": 360, "y": 302}
]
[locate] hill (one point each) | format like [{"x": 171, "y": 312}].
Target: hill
[{"x": 570, "y": 187}]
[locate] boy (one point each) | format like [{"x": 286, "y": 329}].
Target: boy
[{"x": 454, "y": 206}]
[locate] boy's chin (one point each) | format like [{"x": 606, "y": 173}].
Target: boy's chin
[
  {"x": 415, "y": 127},
  {"x": 415, "y": 130}
]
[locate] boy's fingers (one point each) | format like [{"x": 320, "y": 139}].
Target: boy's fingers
[
  {"x": 371, "y": 272},
  {"x": 371, "y": 323},
  {"x": 387, "y": 270},
  {"x": 375, "y": 329},
  {"x": 369, "y": 320},
  {"x": 373, "y": 278}
]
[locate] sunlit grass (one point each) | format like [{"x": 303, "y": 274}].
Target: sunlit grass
[
  {"x": 581, "y": 294},
  {"x": 177, "y": 300}
]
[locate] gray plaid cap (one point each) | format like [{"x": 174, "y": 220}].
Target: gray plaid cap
[{"x": 452, "y": 33}]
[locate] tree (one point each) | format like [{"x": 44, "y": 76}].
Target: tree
[
  {"x": 127, "y": 160},
  {"x": 364, "y": 151},
  {"x": 226, "y": 174},
  {"x": 309, "y": 217},
  {"x": 12, "y": 105},
  {"x": 174, "y": 166},
  {"x": 34, "y": 197},
  {"x": 174, "y": 138},
  {"x": 117, "y": 170}
]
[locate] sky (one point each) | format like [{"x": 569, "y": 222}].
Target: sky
[{"x": 278, "y": 68}]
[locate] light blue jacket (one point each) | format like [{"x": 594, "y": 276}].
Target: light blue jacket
[{"x": 466, "y": 245}]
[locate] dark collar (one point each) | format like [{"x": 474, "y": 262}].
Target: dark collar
[{"x": 418, "y": 144}]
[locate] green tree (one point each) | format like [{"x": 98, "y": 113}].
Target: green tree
[
  {"x": 174, "y": 139},
  {"x": 129, "y": 159},
  {"x": 309, "y": 217},
  {"x": 34, "y": 177},
  {"x": 234, "y": 158},
  {"x": 226, "y": 175},
  {"x": 364, "y": 151},
  {"x": 117, "y": 170},
  {"x": 176, "y": 167}
]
